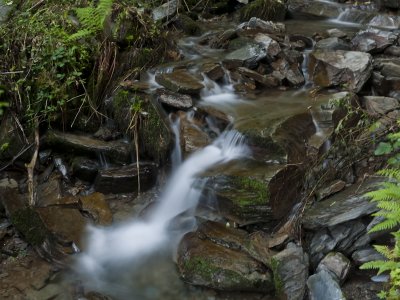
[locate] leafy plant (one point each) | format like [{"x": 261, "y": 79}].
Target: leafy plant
[
  {"x": 92, "y": 18},
  {"x": 388, "y": 201}
]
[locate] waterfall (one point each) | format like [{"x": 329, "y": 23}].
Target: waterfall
[
  {"x": 126, "y": 243},
  {"x": 176, "y": 156}
]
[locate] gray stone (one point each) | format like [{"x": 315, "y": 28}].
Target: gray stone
[
  {"x": 324, "y": 9},
  {"x": 213, "y": 71},
  {"x": 125, "y": 179},
  {"x": 385, "y": 21},
  {"x": 334, "y": 32},
  {"x": 366, "y": 255},
  {"x": 180, "y": 81},
  {"x": 167, "y": 10},
  {"x": 322, "y": 286},
  {"x": 175, "y": 100},
  {"x": 247, "y": 56},
  {"x": 344, "y": 206},
  {"x": 337, "y": 264},
  {"x": 271, "y": 46},
  {"x": 332, "y": 68},
  {"x": 378, "y": 105},
  {"x": 390, "y": 68},
  {"x": 290, "y": 72},
  {"x": 332, "y": 188},
  {"x": 292, "y": 271},
  {"x": 117, "y": 151},
  {"x": 373, "y": 40},
  {"x": 392, "y": 50},
  {"x": 332, "y": 43},
  {"x": 264, "y": 80},
  {"x": 259, "y": 25}
]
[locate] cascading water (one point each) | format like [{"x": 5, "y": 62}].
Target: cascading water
[
  {"x": 176, "y": 156},
  {"x": 126, "y": 243}
]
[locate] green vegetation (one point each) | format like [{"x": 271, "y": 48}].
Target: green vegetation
[
  {"x": 250, "y": 191},
  {"x": 57, "y": 66},
  {"x": 268, "y": 10},
  {"x": 388, "y": 201}
]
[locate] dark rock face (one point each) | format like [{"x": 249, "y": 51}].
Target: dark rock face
[
  {"x": 85, "y": 168},
  {"x": 337, "y": 265},
  {"x": 378, "y": 106},
  {"x": 344, "y": 206},
  {"x": 373, "y": 40},
  {"x": 116, "y": 151},
  {"x": 125, "y": 179},
  {"x": 332, "y": 68},
  {"x": 292, "y": 271},
  {"x": 180, "y": 81},
  {"x": 209, "y": 258}
]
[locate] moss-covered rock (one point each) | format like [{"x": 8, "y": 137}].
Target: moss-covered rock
[
  {"x": 188, "y": 25},
  {"x": 268, "y": 10},
  {"x": 205, "y": 259}
]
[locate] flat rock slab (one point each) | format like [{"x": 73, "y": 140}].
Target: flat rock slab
[
  {"x": 116, "y": 151},
  {"x": 125, "y": 179},
  {"x": 332, "y": 68},
  {"x": 175, "y": 100},
  {"x": 344, "y": 206},
  {"x": 247, "y": 56},
  {"x": 180, "y": 81}
]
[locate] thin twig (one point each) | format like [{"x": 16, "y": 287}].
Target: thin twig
[{"x": 31, "y": 167}]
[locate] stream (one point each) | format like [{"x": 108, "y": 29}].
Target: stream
[{"x": 245, "y": 188}]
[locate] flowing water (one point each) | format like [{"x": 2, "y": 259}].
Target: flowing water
[{"x": 132, "y": 260}]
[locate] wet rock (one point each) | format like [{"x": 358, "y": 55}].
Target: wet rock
[
  {"x": 67, "y": 224},
  {"x": 222, "y": 39},
  {"x": 273, "y": 10},
  {"x": 167, "y": 10},
  {"x": 334, "y": 32},
  {"x": 247, "y": 56},
  {"x": 315, "y": 8},
  {"x": 385, "y": 21},
  {"x": 344, "y": 206},
  {"x": 334, "y": 187},
  {"x": 213, "y": 263},
  {"x": 336, "y": 264},
  {"x": 256, "y": 25},
  {"x": 187, "y": 25},
  {"x": 378, "y": 106},
  {"x": 175, "y": 100},
  {"x": 49, "y": 192},
  {"x": 392, "y": 50},
  {"x": 332, "y": 43},
  {"x": 264, "y": 80},
  {"x": 391, "y": 4},
  {"x": 125, "y": 179},
  {"x": 8, "y": 183},
  {"x": 332, "y": 68},
  {"x": 271, "y": 46},
  {"x": 180, "y": 81},
  {"x": 117, "y": 151},
  {"x": 292, "y": 134},
  {"x": 291, "y": 270},
  {"x": 107, "y": 133},
  {"x": 84, "y": 168},
  {"x": 373, "y": 40},
  {"x": 390, "y": 68},
  {"x": 243, "y": 199},
  {"x": 322, "y": 286},
  {"x": 193, "y": 137},
  {"x": 213, "y": 71},
  {"x": 366, "y": 255},
  {"x": 288, "y": 72},
  {"x": 96, "y": 205},
  {"x": 342, "y": 237}
]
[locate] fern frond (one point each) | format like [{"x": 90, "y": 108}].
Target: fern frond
[
  {"x": 385, "y": 225},
  {"x": 391, "y": 173},
  {"x": 384, "y": 250}
]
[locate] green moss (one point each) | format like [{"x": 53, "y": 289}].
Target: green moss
[
  {"x": 188, "y": 25},
  {"x": 278, "y": 282},
  {"x": 202, "y": 267},
  {"x": 29, "y": 224},
  {"x": 268, "y": 10}
]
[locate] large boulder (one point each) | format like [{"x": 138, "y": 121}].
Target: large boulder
[
  {"x": 213, "y": 258},
  {"x": 334, "y": 68},
  {"x": 323, "y": 286},
  {"x": 247, "y": 56}
]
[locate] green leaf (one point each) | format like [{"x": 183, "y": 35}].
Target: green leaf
[{"x": 383, "y": 148}]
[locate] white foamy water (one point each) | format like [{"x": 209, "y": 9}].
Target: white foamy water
[
  {"x": 176, "y": 156},
  {"x": 127, "y": 243}
]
